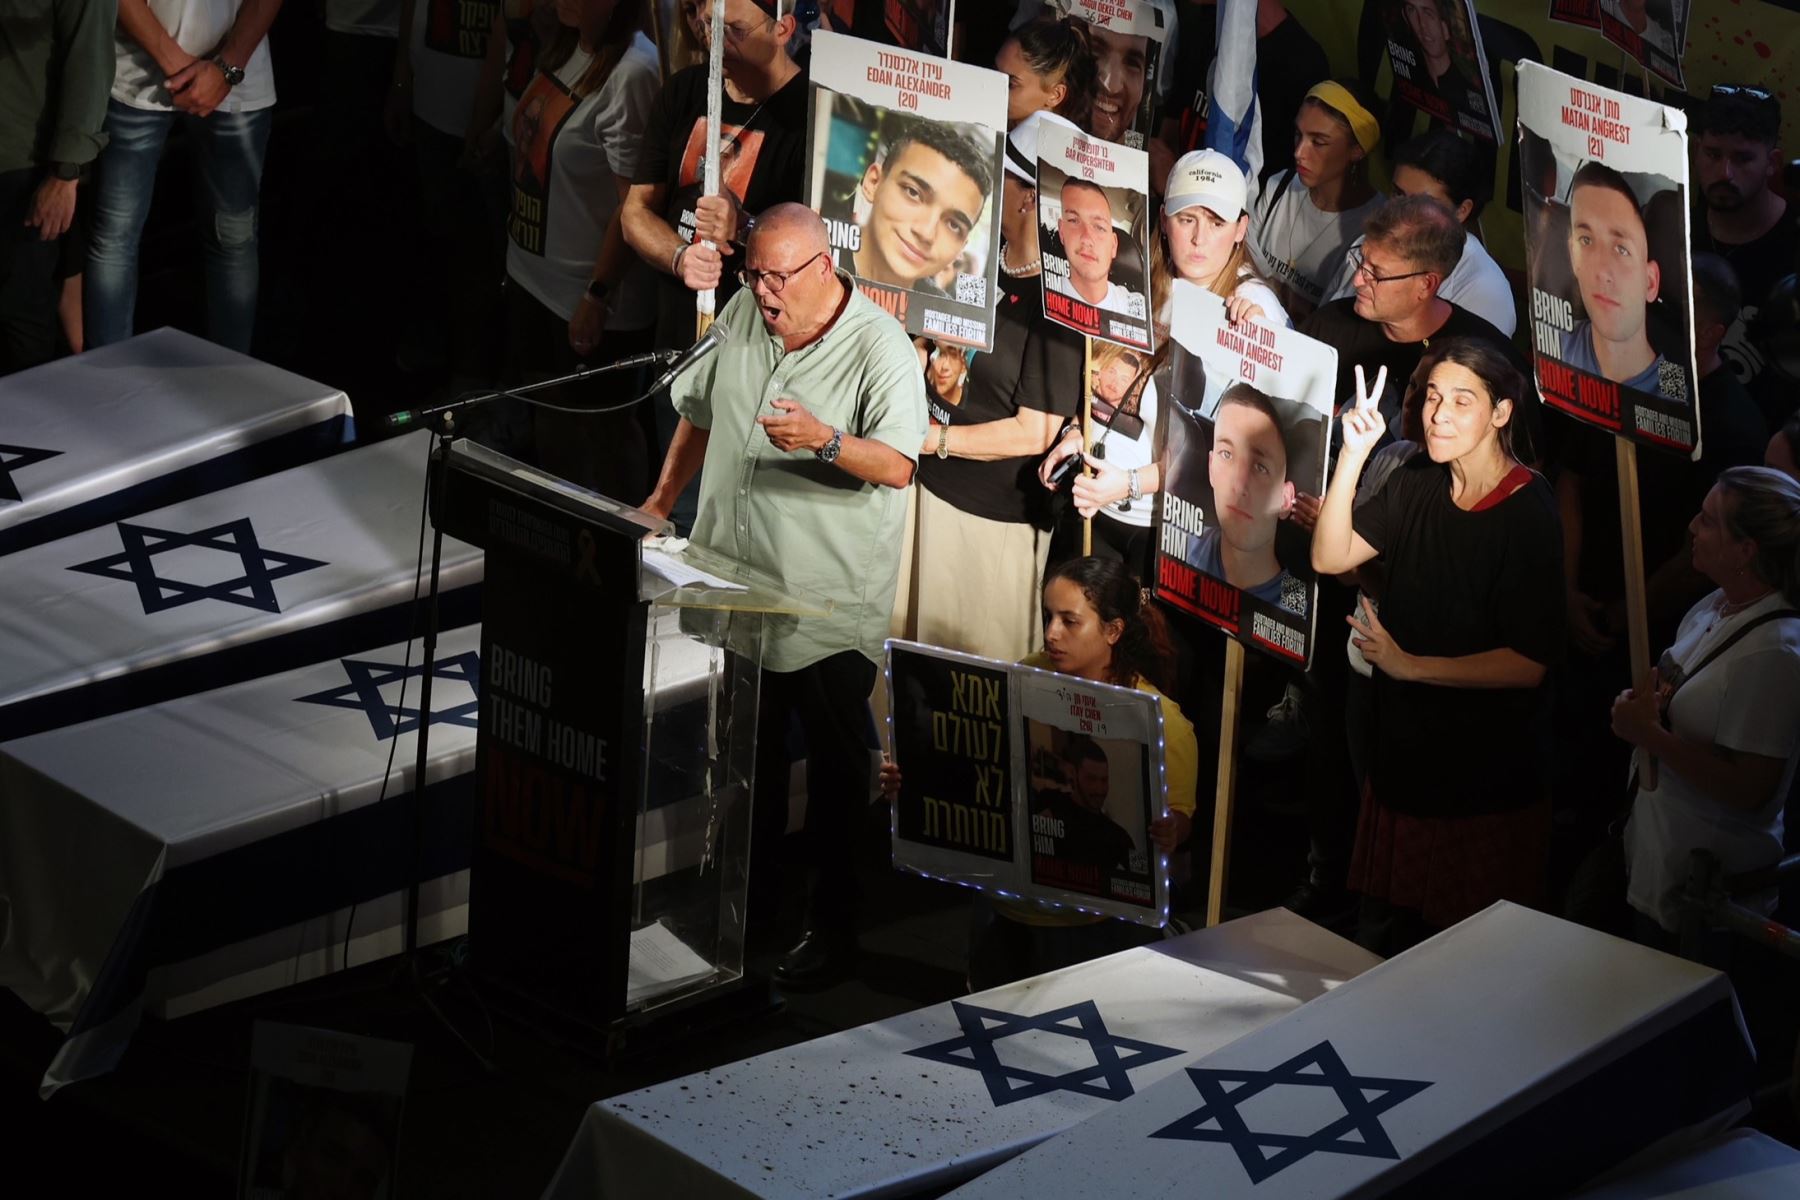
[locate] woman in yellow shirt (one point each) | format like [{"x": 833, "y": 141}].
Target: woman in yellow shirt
[{"x": 1100, "y": 625}]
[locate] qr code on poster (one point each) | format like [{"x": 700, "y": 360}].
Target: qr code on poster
[{"x": 971, "y": 289}]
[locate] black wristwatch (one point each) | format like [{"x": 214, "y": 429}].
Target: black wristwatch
[
  {"x": 233, "y": 75},
  {"x": 828, "y": 453},
  {"x": 597, "y": 289},
  {"x": 63, "y": 170}
]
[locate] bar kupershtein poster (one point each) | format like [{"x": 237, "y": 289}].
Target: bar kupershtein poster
[{"x": 1093, "y": 206}]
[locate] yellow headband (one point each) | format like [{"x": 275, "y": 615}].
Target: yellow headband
[{"x": 1363, "y": 126}]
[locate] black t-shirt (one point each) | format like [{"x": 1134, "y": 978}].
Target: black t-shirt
[
  {"x": 762, "y": 160},
  {"x": 1288, "y": 63},
  {"x": 1460, "y": 583},
  {"x": 1670, "y": 486},
  {"x": 1760, "y": 265},
  {"x": 1363, "y": 342},
  {"x": 1035, "y": 363},
  {"x": 1089, "y": 838}
]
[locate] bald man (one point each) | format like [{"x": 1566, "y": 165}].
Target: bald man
[{"x": 805, "y": 428}]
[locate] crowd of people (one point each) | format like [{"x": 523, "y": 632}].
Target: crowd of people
[{"x": 1467, "y": 546}]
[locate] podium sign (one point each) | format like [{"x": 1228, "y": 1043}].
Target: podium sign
[{"x": 557, "y": 758}]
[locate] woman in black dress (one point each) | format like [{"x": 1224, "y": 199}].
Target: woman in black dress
[{"x": 1455, "y": 813}]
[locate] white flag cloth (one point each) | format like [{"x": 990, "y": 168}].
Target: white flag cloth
[{"x": 1234, "y": 121}]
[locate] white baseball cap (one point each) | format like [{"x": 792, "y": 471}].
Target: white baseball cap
[
  {"x": 1206, "y": 177},
  {"x": 1022, "y": 143}
]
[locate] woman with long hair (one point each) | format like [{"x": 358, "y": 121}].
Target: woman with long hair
[
  {"x": 1717, "y": 732},
  {"x": 1049, "y": 67},
  {"x": 1101, "y": 625},
  {"x": 1455, "y": 809},
  {"x": 1299, "y": 235},
  {"x": 574, "y": 291}
]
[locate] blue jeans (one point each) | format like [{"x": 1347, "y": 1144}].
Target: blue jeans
[{"x": 228, "y": 161}]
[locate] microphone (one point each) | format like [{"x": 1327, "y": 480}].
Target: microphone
[
  {"x": 715, "y": 337},
  {"x": 654, "y": 358}
]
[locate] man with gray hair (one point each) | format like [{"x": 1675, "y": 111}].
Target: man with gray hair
[{"x": 808, "y": 424}]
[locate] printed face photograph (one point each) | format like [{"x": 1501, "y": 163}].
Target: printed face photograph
[
  {"x": 1428, "y": 27},
  {"x": 922, "y": 207},
  {"x": 1609, "y": 251},
  {"x": 1123, "y": 63},
  {"x": 1248, "y": 472},
  {"x": 1088, "y": 238}
]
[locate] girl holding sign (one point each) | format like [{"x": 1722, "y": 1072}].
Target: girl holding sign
[
  {"x": 1101, "y": 626},
  {"x": 1455, "y": 811}
]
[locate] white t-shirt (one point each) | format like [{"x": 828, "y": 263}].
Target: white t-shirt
[
  {"x": 370, "y": 18},
  {"x": 449, "y": 40},
  {"x": 1297, "y": 245},
  {"x": 198, "y": 26},
  {"x": 1477, "y": 284},
  {"x": 565, "y": 189},
  {"x": 1746, "y": 700},
  {"x": 1118, "y": 298}
]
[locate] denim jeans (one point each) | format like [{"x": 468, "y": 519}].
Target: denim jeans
[{"x": 228, "y": 161}]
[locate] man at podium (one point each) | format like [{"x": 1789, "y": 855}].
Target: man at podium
[{"x": 808, "y": 423}]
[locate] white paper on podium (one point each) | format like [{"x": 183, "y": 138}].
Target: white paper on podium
[
  {"x": 315, "y": 544},
  {"x": 1513, "y": 1055},
  {"x": 105, "y": 827},
  {"x": 78, "y": 430},
  {"x": 924, "y": 1099},
  {"x": 660, "y": 961}
]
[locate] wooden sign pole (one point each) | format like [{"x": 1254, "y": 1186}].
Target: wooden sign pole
[
  {"x": 1087, "y": 432},
  {"x": 1224, "y": 797},
  {"x": 1637, "y": 605},
  {"x": 715, "y": 107}
]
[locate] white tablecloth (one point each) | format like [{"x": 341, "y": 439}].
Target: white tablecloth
[
  {"x": 1740, "y": 1165},
  {"x": 209, "y": 847},
  {"x": 144, "y": 423},
  {"x": 206, "y": 592},
  {"x": 922, "y": 1100}
]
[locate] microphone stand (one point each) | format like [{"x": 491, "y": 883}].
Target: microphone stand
[{"x": 437, "y": 478}]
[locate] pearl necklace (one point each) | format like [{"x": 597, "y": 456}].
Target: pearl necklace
[{"x": 1034, "y": 267}]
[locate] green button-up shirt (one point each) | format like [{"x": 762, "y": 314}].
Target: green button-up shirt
[
  {"x": 807, "y": 523},
  {"x": 56, "y": 71}
]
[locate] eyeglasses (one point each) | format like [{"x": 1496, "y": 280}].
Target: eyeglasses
[
  {"x": 774, "y": 280},
  {"x": 737, "y": 33},
  {"x": 1360, "y": 266}
]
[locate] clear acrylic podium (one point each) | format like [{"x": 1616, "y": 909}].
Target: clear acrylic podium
[{"x": 616, "y": 750}]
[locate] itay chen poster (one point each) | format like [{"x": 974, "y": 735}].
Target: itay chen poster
[
  {"x": 1132, "y": 42},
  {"x": 1249, "y": 419},
  {"x": 1606, "y": 250},
  {"x": 904, "y": 156},
  {"x": 1434, "y": 47}
]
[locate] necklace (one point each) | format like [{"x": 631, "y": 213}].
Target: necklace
[
  {"x": 1724, "y": 610},
  {"x": 1022, "y": 271}
]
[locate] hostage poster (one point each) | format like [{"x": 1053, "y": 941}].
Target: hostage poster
[
  {"x": 1652, "y": 31},
  {"x": 1131, "y": 40},
  {"x": 1094, "y": 783},
  {"x": 1249, "y": 417},
  {"x": 1093, "y": 206},
  {"x": 1434, "y": 47},
  {"x": 904, "y": 156},
  {"x": 1606, "y": 250}
]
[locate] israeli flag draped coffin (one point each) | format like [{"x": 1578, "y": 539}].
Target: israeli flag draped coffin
[
  {"x": 1514, "y": 1055},
  {"x": 147, "y": 422},
  {"x": 922, "y": 1100},
  {"x": 209, "y": 847},
  {"x": 257, "y": 578}
]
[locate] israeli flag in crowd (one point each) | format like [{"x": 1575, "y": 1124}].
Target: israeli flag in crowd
[{"x": 1234, "y": 124}]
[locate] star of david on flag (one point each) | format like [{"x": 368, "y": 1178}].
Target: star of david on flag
[
  {"x": 1357, "y": 1132},
  {"x": 254, "y": 588},
  {"x": 391, "y": 720},
  {"x": 17, "y": 458},
  {"x": 982, "y": 1028}
]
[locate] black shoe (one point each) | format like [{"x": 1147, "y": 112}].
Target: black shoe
[
  {"x": 1319, "y": 903},
  {"x": 818, "y": 960}
]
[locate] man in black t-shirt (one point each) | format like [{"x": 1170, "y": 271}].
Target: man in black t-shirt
[
  {"x": 1735, "y": 138},
  {"x": 1088, "y": 836},
  {"x": 1410, "y": 246},
  {"x": 761, "y": 163}
]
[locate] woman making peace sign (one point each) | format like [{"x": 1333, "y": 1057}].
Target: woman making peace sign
[{"x": 1456, "y": 812}]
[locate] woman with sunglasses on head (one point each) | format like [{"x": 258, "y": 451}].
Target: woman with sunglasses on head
[
  {"x": 1455, "y": 809},
  {"x": 1298, "y": 234},
  {"x": 976, "y": 500},
  {"x": 1098, "y": 624}
]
